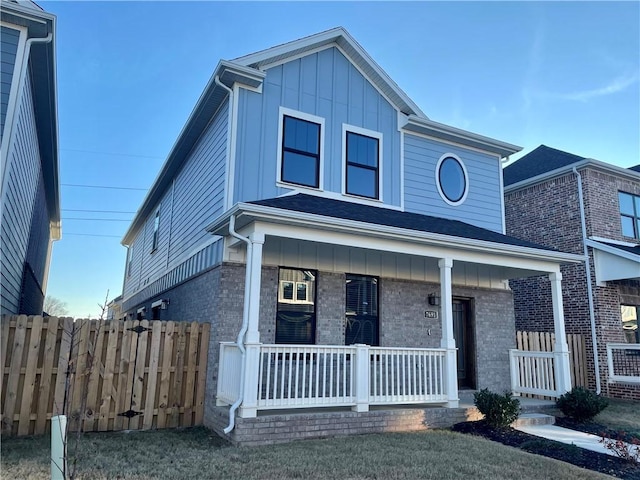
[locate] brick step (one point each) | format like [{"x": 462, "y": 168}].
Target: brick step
[{"x": 528, "y": 419}]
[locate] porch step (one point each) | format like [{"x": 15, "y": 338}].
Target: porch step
[{"x": 528, "y": 419}]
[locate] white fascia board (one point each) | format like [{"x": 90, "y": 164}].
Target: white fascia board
[
  {"x": 293, "y": 219},
  {"x": 614, "y": 251},
  {"x": 163, "y": 179},
  {"x": 582, "y": 164},
  {"x": 464, "y": 137},
  {"x": 338, "y": 36}
]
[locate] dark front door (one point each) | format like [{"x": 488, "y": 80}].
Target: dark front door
[{"x": 463, "y": 333}]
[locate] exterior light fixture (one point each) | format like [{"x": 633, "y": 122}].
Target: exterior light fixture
[{"x": 434, "y": 300}]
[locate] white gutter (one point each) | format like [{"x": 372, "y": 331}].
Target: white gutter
[
  {"x": 587, "y": 266},
  {"x": 245, "y": 322}
]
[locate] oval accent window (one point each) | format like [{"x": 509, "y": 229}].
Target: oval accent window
[{"x": 452, "y": 179}]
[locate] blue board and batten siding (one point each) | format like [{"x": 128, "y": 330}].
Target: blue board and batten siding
[
  {"x": 24, "y": 175},
  {"x": 483, "y": 205},
  {"x": 9, "y": 39},
  {"x": 191, "y": 202},
  {"x": 324, "y": 84}
]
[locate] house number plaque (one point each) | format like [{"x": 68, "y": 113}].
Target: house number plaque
[{"x": 431, "y": 314}]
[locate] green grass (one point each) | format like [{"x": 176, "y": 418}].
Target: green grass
[
  {"x": 621, "y": 415},
  {"x": 199, "y": 454}
]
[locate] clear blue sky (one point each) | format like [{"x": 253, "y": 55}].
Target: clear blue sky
[{"x": 563, "y": 74}]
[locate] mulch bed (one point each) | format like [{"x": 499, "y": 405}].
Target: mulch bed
[{"x": 598, "y": 462}]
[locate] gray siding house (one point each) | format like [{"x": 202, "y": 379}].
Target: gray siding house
[
  {"x": 30, "y": 203},
  {"x": 348, "y": 250}
]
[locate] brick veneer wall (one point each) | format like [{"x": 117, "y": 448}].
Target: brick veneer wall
[{"x": 548, "y": 213}]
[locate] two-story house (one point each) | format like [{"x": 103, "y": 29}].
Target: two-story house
[
  {"x": 588, "y": 207},
  {"x": 29, "y": 189},
  {"x": 352, "y": 249}
]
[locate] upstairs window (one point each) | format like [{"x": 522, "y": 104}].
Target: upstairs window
[
  {"x": 362, "y": 158},
  {"x": 156, "y": 227},
  {"x": 129, "y": 260},
  {"x": 629, "y": 214},
  {"x": 452, "y": 179},
  {"x": 300, "y": 159}
]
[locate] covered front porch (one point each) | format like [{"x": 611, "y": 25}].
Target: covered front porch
[{"x": 255, "y": 375}]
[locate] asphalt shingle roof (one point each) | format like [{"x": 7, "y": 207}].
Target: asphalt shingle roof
[
  {"x": 541, "y": 160},
  {"x": 392, "y": 218},
  {"x": 635, "y": 168},
  {"x": 635, "y": 250}
]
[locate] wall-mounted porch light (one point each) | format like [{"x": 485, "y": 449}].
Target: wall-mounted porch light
[{"x": 434, "y": 299}]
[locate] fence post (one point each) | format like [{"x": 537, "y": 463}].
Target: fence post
[{"x": 361, "y": 378}]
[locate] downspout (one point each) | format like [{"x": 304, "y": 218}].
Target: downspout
[
  {"x": 227, "y": 200},
  {"x": 592, "y": 316},
  {"x": 245, "y": 322}
]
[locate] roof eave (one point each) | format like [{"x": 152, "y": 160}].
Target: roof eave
[
  {"x": 587, "y": 162},
  {"x": 445, "y": 132},
  {"x": 220, "y": 227},
  {"x": 228, "y": 73}
]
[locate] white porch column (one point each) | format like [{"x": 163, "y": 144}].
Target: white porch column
[
  {"x": 448, "y": 341},
  {"x": 561, "y": 349},
  {"x": 249, "y": 407},
  {"x": 362, "y": 378}
]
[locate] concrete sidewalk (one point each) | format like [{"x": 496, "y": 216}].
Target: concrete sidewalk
[{"x": 570, "y": 437}]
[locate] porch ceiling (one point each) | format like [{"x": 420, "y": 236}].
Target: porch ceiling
[{"x": 516, "y": 258}]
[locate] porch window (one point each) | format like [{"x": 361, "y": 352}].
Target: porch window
[
  {"x": 296, "y": 313},
  {"x": 629, "y": 315},
  {"x": 629, "y": 214},
  {"x": 362, "y": 158},
  {"x": 361, "y": 310}
]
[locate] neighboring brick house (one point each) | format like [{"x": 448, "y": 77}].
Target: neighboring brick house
[
  {"x": 542, "y": 205},
  {"x": 29, "y": 185},
  {"x": 313, "y": 214}
]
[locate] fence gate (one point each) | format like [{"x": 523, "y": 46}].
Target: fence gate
[{"x": 110, "y": 375}]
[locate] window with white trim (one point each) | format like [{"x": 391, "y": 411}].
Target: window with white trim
[
  {"x": 452, "y": 179},
  {"x": 300, "y": 152},
  {"x": 156, "y": 228},
  {"x": 362, "y": 163},
  {"x": 629, "y": 214}
]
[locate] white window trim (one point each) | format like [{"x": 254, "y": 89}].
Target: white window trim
[
  {"x": 309, "y": 118},
  {"x": 368, "y": 133},
  {"x": 466, "y": 179}
]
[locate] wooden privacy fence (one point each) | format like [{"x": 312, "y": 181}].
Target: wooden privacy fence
[
  {"x": 104, "y": 374},
  {"x": 543, "y": 342}
]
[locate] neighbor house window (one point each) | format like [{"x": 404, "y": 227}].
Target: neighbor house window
[
  {"x": 629, "y": 214},
  {"x": 362, "y": 158},
  {"x": 300, "y": 159},
  {"x": 629, "y": 315},
  {"x": 452, "y": 179},
  {"x": 156, "y": 227},
  {"x": 129, "y": 260},
  {"x": 296, "y": 312}
]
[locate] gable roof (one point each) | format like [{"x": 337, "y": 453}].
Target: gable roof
[
  {"x": 357, "y": 212},
  {"x": 541, "y": 160},
  {"x": 340, "y": 37},
  {"x": 635, "y": 168}
]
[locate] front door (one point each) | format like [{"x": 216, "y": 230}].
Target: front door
[{"x": 463, "y": 333}]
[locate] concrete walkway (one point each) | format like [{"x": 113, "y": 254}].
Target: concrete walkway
[{"x": 570, "y": 437}]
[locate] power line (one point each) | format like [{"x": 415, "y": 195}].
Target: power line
[
  {"x": 107, "y": 153},
  {"x": 91, "y": 235},
  {"x": 94, "y": 211},
  {"x": 98, "y": 219},
  {"x": 101, "y": 186}
]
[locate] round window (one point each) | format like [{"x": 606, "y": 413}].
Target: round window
[{"x": 452, "y": 179}]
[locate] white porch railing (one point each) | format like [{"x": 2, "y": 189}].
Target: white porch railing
[
  {"x": 407, "y": 375},
  {"x": 623, "y": 361},
  {"x": 533, "y": 372},
  {"x": 229, "y": 373},
  {"x": 306, "y": 376}
]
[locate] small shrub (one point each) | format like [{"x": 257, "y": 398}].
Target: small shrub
[
  {"x": 629, "y": 452},
  {"x": 498, "y": 410},
  {"x": 581, "y": 404}
]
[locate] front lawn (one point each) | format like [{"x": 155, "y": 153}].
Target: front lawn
[{"x": 197, "y": 453}]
